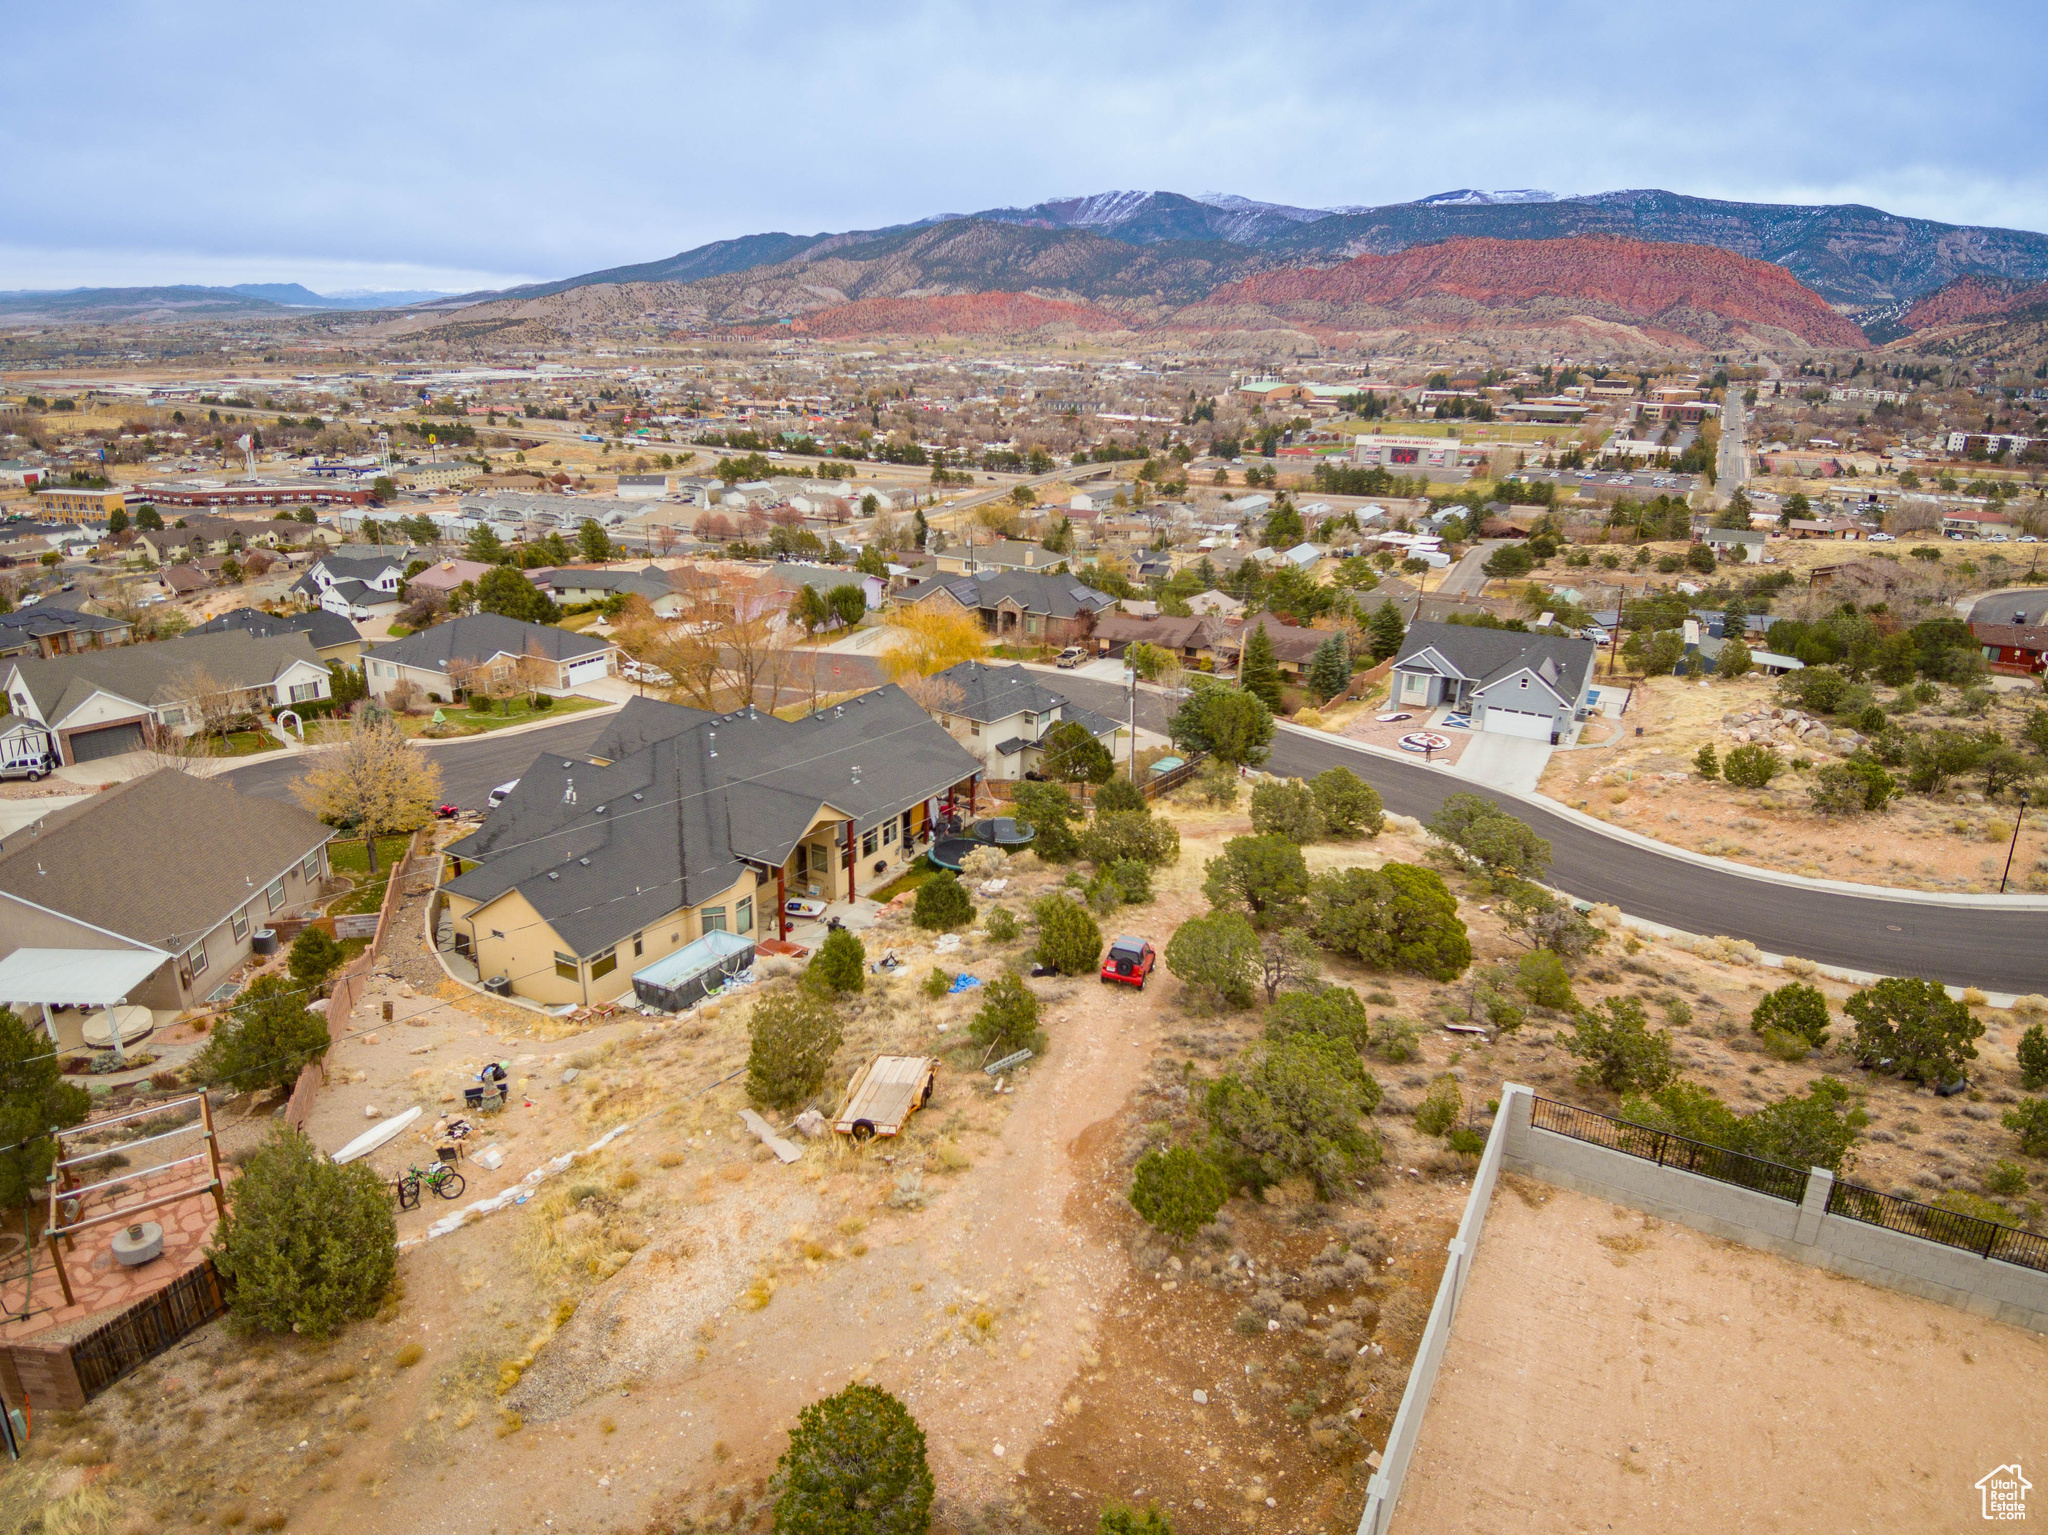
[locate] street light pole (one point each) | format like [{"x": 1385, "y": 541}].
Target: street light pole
[{"x": 2017, "y": 822}]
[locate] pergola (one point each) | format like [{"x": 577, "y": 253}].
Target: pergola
[{"x": 77, "y": 978}]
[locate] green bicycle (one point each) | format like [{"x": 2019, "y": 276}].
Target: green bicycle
[{"x": 441, "y": 1178}]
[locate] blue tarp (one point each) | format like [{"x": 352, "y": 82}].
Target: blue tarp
[
  {"x": 681, "y": 979},
  {"x": 962, "y": 983}
]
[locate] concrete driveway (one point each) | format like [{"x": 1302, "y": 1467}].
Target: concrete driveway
[{"x": 1503, "y": 762}]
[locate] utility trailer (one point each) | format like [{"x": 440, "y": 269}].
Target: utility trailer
[{"x": 885, "y": 1093}]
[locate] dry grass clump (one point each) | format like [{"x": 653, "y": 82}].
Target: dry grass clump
[
  {"x": 408, "y": 1356},
  {"x": 579, "y": 1232}
]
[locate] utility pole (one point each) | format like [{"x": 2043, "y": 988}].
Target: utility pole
[
  {"x": 2017, "y": 822},
  {"x": 1131, "y": 681}
]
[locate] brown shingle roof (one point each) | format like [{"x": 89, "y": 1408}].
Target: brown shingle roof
[
  {"x": 2014, "y": 636},
  {"x": 163, "y": 858}
]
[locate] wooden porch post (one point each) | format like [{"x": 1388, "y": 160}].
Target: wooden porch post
[
  {"x": 56, "y": 1249},
  {"x": 220, "y": 1204},
  {"x": 781, "y": 906},
  {"x": 852, "y": 861}
]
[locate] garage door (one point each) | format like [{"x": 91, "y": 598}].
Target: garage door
[
  {"x": 92, "y": 745},
  {"x": 584, "y": 671},
  {"x": 1512, "y": 722}
]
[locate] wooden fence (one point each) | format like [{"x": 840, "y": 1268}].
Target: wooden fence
[
  {"x": 65, "y": 1376},
  {"x": 349, "y": 982}
]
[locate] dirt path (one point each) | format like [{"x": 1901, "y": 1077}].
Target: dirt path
[{"x": 666, "y": 1394}]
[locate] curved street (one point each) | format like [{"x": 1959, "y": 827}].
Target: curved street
[{"x": 1996, "y": 947}]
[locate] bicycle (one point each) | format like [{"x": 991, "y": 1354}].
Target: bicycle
[{"x": 441, "y": 1178}]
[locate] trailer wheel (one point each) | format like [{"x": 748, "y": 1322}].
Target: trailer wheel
[{"x": 863, "y": 1129}]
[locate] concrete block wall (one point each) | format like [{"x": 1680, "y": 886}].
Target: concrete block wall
[{"x": 1804, "y": 1232}]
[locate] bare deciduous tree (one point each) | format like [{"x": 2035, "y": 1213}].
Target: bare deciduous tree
[{"x": 372, "y": 783}]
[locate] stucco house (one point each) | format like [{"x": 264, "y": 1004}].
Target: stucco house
[
  {"x": 1018, "y": 606},
  {"x": 482, "y": 648},
  {"x": 206, "y": 868},
  {"x": 1002, "y": 714},
  {"x": 357, "y": 589},
  {"x": 1504, "y": 681},
  {"x": 682, "y": 822},
  {"x": 102, "y": 703}
]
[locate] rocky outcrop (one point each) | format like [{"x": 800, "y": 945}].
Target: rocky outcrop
[
  {"x": 959, "y": 314},
  {"x": 1670, "y": 292}
]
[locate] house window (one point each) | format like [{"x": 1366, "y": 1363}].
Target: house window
[
  {"x": 567, "y": 966},
  {"x": 311, "y": 870},
  {"x": 714, "y": 919},
  {"x": 275, "y": 894},
  {"x": 605, "y": 963},
  {"x": 867, "y": 843},
  {"x": 974, "y": 727},
  {"x": 889, "y": 834},
  {"x": 239, "y": 924},
  {"x": 638, "y": 944},
  {"x": 196, "y": 957},
  {"x": 303, "y": 691},
  {"x": 743, "y": 915}
]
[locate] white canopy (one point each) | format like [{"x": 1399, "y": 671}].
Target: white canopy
[{"x": 76, "y": 977}]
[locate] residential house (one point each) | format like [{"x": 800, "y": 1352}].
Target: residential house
[
  {"x": 1190, "y": 641},
  {"x": 442, "y": 577},
  {"x": 1018, "y": 607},
  {"x": 171, "y": 867},
  {"x": 487, "y": 648},
  {"x": 1303, "y": 557},
  {"x": 183, "y": 580},
  {"x": 334, "y": 637},
  {"x": 1293, "y": 647},
  {"x": 2013, "y": 650},
  {"x": 682, "y": 823},
  {"x": 1002, "y": 714},
  {"x": 357, "y": 589},
  {"x": 1742, "y": 545},
  {"x": 574, "y": 584},
  {"x": 1216, "y": 604},
  {"x": 45, "y": 631},
  {"x": 785, "y": 577},
  {"x": 999, "y": 554},
  {"x": 202, "y": 536},
  {"x": 1505, "y": 682},
  {"x": 101, "y": 703}
]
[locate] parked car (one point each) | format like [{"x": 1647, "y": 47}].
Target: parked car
[
  {"x": 498, "y": 795},
  {"x": 1071, "y": 657},
  {"x": 1129, "y": 961},
  {"x": 1882, "y": 538}
]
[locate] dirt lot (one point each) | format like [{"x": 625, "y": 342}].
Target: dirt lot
[
  {"x": 1953, "y": 842},
  {"x": 625, "y": 1351},
  {"x": 1661, "y": 1380}
]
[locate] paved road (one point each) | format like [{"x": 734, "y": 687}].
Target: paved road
[
  {"x": 1466, "y": 578},
  {"x": 1732, "y": 471},
  {"x": 1997, "y": 949}
]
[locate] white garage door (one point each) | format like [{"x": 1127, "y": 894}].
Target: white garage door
[
  {"x": 584, "y": 671},
  {"x": 1512, "y": 722}
]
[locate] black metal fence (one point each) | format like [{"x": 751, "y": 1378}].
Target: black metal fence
[
  {"x": 1668, "y": 1150},
  {"x": 1951, "y": 1228},
  {"x": 147, "y": 1328}
]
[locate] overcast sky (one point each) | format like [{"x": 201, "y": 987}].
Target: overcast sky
[{"x": 379, "y": 145}]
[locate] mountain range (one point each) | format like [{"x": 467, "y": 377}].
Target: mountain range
[
  {"x": 1853, "y": 256},
  {"x": 190, "y": 301}
]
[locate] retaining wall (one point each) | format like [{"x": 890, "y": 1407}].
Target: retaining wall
[{"x": 1805, "y": 1232}]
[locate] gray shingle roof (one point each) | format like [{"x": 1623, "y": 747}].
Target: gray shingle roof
[
  {"x": 154, "y": 674},
  {"x": 22, "y": 624},
  {"x": 990, "y": 693},
  {"x": 320, "y": 626},
  {"x": 1482, "y": 655},
  {"x": 1035, "y": 591},
  {"x": 716, "y": 793},
  {"x": 188, "y": 851},
  {"x": 476, "y": 637}
]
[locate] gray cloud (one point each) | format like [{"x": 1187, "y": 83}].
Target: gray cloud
[{"x": 224, "y": 142}]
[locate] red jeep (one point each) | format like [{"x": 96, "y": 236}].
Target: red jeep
[{"x": 1129, "y": 961}]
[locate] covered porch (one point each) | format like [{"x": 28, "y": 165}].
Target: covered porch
[{"x": 82, "y": 995}]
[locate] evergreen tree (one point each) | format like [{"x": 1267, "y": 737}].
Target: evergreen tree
[
  {"x": 1330, "y": 672},
  {"x": 1259, "y": 671},
  {"x": 1386, "y": 632}
]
